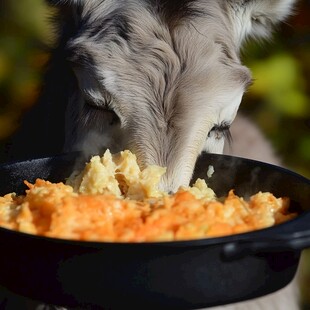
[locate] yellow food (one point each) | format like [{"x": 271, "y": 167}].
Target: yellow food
[
  {"x": 121, "y": 176},
  {"x": 113, "y": 200}
]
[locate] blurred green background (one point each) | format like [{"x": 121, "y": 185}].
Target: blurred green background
[{"x": 278, "y": 101}]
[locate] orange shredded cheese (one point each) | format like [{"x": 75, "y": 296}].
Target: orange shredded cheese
[{"x": 55, "y": 210}]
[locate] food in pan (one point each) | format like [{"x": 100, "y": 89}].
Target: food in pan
[{"x": 113, "y": 200}]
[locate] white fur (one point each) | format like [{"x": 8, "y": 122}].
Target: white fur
[
  {"x": 226, "y": 114},
  {"x": 256, "y": 17}
]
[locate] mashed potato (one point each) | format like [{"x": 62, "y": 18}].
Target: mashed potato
[
  {"x": 120, "y": 175},
  {"x": 113, "y": 200}
]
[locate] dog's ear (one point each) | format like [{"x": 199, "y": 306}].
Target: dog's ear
[{"x": 256, "y": 18}]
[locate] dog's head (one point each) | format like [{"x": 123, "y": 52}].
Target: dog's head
[{"x": 168, "y": 72}]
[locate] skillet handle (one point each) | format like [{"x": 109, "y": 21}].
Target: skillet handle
[{"x": 296, "y": 241}]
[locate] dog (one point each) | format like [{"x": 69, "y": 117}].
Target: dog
[{"x": 162, "y": 78}]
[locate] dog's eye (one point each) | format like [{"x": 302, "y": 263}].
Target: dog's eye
[
  {"x": 100, "y": 100},
  {"x": 93, "y": 92},
  {"x": 220, "y": 131},
  {"x": 105, "y": 111}
]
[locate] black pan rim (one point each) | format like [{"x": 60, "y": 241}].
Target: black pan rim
[{"x": 252, "y": 161}]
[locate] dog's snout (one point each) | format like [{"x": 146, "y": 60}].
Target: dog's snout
[{"x": 172, "y": 180}]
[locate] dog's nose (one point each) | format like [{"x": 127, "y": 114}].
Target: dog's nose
[{"x": 168, "y": 186}]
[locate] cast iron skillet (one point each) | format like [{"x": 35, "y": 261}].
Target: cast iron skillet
[{"x": 167, "y": 275}]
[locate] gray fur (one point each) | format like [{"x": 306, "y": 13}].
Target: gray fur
[
  {"x": 160, "y": 77},
  {"x": 169, "y": 70}
]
